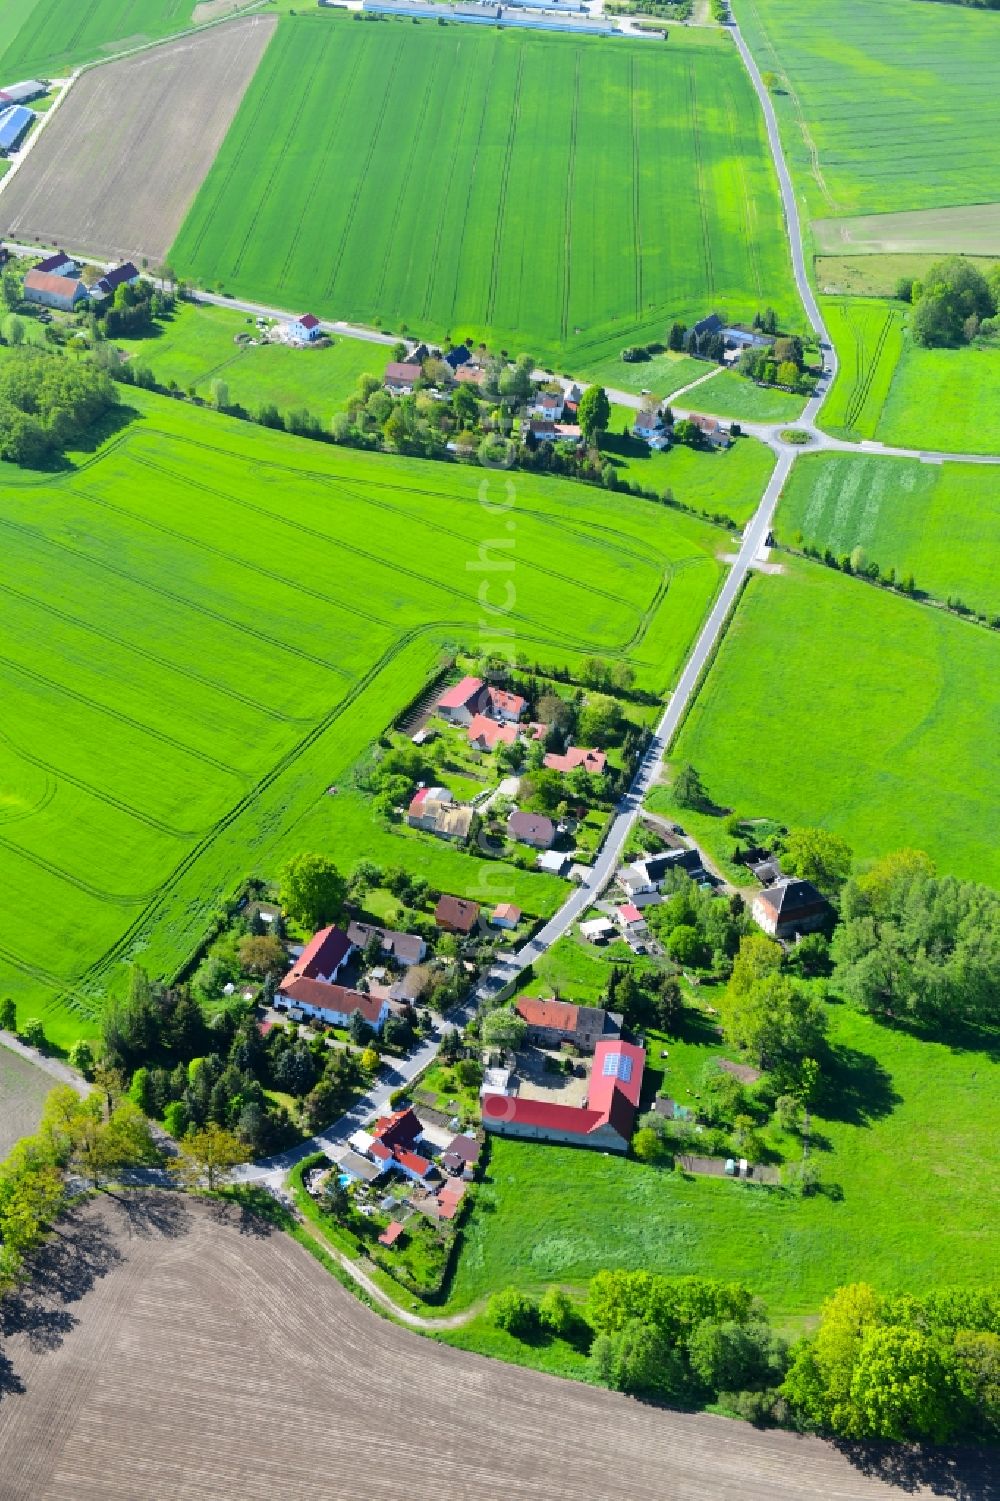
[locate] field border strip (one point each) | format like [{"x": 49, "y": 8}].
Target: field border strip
[
  {"x": 501, "y": 212},
  {"x": 636, "y": 221},
  {"x": 415, "y": 142},
  {"x": 568, "y": 209},
  {"x": 429, "y": 283}
]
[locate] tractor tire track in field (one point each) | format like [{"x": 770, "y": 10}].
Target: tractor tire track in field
[
  {"x": 98, "y": 793},
  {"x": 866, "y": 371},
  {"x": 515, "y": 115},
  {"x": 442, "y": 216},
  {"x": 263, "y": 195},
  {"x": 343, "y": 487},
  {"x": 736, "y": 155},
  {"x": 119, "y": 717},
  {"x": 299, "y": 526},
  {"x": 175, "y": 598},
  {"x": 108, "y": 898},
  {"x": 568, "y": 209},
  {"x": 315, "y": 185},
  {"x": 636, "y": 221},
  {"x": 74, "y": 1000},
  {"x": 363, "y": 172},
  {"x": 459, "y": 259},
  {"x": 699, "y": 166},
  {"x": 150, "y": 656},
  {"x": 416, "y": 127}
]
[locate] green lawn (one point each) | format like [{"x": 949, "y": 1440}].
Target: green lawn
[
  {"x": 732, "y": 395},
  {"x": 195, "y": 347},
  {"x": 878, "y": 100},
  {"x": 562, "y": 195},
  {"x": 729, "y": 483},
  {"x": 230, "y": 616},
  {"x": 833, "y": 702},
  {"x": 43, "y": 38},
  {"x": 902, "y": 1142},
  {"x": 940, "y": 522},
  {"x": 662, "y": 375}
]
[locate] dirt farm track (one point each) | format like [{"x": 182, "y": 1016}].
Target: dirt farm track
[
  {"x": 168, "y": 1351},
  {"x": 115, "y": 170}
]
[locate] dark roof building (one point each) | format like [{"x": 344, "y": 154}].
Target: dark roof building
[
  {"x": 790, "y": 907},
  {"x": 531, "y": 828},
  {"x": 120, "y": 276},
  {"x": 706, "y": 327},
  {"x": 408, "y": 948},
  {"x": 57, "y": 264},
  {"x": 460, "y": 355}
]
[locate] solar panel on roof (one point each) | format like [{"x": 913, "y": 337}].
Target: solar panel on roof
[{"x": 618, "y": 1066}]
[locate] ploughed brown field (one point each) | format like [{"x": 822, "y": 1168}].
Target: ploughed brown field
[
  {"x": 115, "y": 170},
  {"x": 169, "y": 1351}
]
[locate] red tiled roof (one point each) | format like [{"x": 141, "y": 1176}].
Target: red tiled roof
[
  {"x": 489, "y": 731},
  {"x": 309, "y": 320},
  {"x": 46, "y": 281},
  {"x": 459, "y": 695},
  {"x": 575, "y": 1120},
  {"x": 457, "y": 913},
  {"x": 324, "y": 952},
  {"x": 538, "y": 1013},
  {"x": 508, "y": 911},
  {"x": 509, "y": 703},
  {"x": 410, "y": 1160},
  {"x": 630, "y": 913},
  {"x": 417, "y": 801},
  {"x": 378, "y": 1151},
  {"x": 401, "y": 373},
  {"x": 591, "y": 760},
  {"x": 391, "y": 1233},
  {"x": 399, "y": 1129},
  {"x": 625, "y": 1079},
  {"x": 337, "y": 999}
]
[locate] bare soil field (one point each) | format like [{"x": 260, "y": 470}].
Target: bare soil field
[
  {"x": 971, "y": 230},
  {"x": 169, "y": 1348},
  {"x": 117, "y": 167},
  {"x": 23, "y": 1088}
]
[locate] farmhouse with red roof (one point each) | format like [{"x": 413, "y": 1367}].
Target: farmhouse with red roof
[
  {"x": 305, "y": 330},
  {"x": 484, "y": 734},
  {"x": 593, "y": 761},
  {"x": 460, "y": 703},
  {"x": 311, "y": 984},
  {"x": 604, "y": 1123}
]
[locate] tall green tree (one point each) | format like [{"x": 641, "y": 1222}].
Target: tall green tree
[
  {"x": 312, "y": 890},
  {"x": 594, "y": 413}
]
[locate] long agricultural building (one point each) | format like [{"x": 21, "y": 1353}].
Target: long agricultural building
[
  {"x": 491, "y": 15},
  {"x": 15, "y": 122}
]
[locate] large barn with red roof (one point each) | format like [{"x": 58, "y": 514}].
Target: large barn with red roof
[{"x": 604, "y": 1123}]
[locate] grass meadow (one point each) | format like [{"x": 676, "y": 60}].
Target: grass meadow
[
  {"x": 837, "y": 703},
  {"x": 44, "y": 38},
  {"x": 940, "y": 522},
  {"x": 728, "y": 483},
  {"x": 868, "y": 336},
  {"x": 231, "y": 616},
  {"x": 732, "y": 395},
  {"x": 195, "y": 347},
  {"x": 907, "y": 1206},
  {"x": 561, "y": 195},
  {"x": 888, "y": 107}
]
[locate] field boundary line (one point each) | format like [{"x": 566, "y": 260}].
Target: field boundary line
[
  {"x": 636, "y": 221},
  {"x": 706, "y": 238},
  {"x": 472, "y": 179},
  {"x": 568, "y": 210},
  {"x": 446, "y": 199},
  {"x": 58, "y": 873},
  {"x": 417, "y": 126}
]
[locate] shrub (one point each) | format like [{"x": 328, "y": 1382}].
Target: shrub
[
  {"x": 33, "y": 1033},
  {"x": 514, "y": 1311},
  {"x": 556, "y": 1312}
]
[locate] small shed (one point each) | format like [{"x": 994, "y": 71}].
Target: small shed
[{"x": 391, "y": 1233}]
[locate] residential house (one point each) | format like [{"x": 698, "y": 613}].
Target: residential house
[
  {"x": 470, "y": 375},
  {"x": 505, "y": 915},
  {"x": 593, "y": 761},
  {"x": 484, "y": 734},
  {"x": 790, "y": 907},
  {"x": 453, "y": 914},
  {"x": 394, "y": 1140},
  {"x": 391, "y": 1233},
  {"x": 568, "y": 432},
  {"x": 547, "y": 405},
  {"x": 401, "y": 377},
  {"x": 650, "y": 873},
  {"x": 531, "y": 828},
  {"x": 460, "y": 703},
  {"x": 542, "y": 429},
  {"x": 507, "y": 707},
  {"x": 648, "y": 426},
  {"x": 433, "y": 810},
  {"x": 62, "y": 292},
  {"x": 363, "y": 1169},
  {"x": 711, "y": 429},
  {"x": 739, "y": 336},
  {"x": 124, "y": 275},
  {"x": 323, "y": 957},
  {"x": 305, "y": 329},
  {"x": 551, "y": 1023},
  {"x": 405, "y": 948},
  {"x": 705, "y": 328},
  {"x": 333, "y": 1004},
  {"x": 631, "y": 921},
  {"x": 604, "y": 1123}
]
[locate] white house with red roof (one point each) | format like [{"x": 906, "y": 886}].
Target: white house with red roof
[
  {"x": 506, "y": 707},
  {"x": 631, "y": 921},
  {"x": 306, "y": 329},
  {"x": 460, "y": 703},
  {"x": 311, "y": 984},
  {"x": 485, "y": 734},
  {"x": 605, "y": 1122}
]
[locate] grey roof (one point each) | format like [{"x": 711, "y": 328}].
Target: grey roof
[
  {"x": 710, "y": 325},
  {"x": 360, "y": 1167},
  {"x": 19, "y": 93},
  {"x": 790, "y": 897},
  {"x": 407, "y": 947},
  {"x": 657, "y": 866},
  {"x": 522, "y": 825}
]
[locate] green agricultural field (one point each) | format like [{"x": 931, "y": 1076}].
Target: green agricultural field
[
  {"x": 903, "y": 1145},
  {"x": 938, "y": 522},
  {"x": 195, "y": 347},
  {"x": 728, "y": 483},
  {"x": 561, "y": 195},
  {"x": 230, "y": 617},
  {"x": 44, "y": 38},
  {"x": 886, "y": 105},
  {"x": 868, "y": 337},
  {"x": 833, "y": 702}
]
